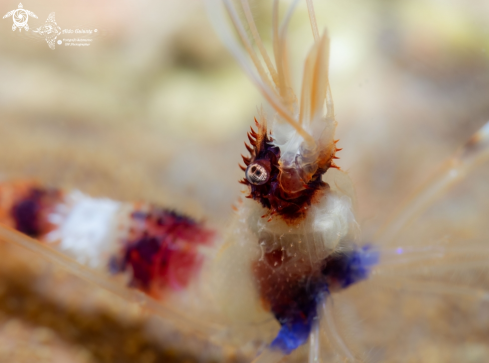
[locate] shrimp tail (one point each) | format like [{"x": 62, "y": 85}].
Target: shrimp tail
[{"x": 159, "y": 249}]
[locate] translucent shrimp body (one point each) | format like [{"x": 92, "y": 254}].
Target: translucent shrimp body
[
  {"x": 301, "y": 228},
  {"x": 267, "y": 287}
]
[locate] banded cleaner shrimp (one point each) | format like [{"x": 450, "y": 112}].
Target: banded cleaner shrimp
[{"x": 415, "y": 258}]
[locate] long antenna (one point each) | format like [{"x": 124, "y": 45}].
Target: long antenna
[
  {"x": 257, "y": 39},
  {"x": 312, "y": 19},
  {"x": 472, "y": 154}
]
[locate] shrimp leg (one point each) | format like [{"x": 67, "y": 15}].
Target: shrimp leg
[
  {"x": 332, "y": 333},
  {"x": 97, "y": 278},
  {"x": 454, "y": 170}
]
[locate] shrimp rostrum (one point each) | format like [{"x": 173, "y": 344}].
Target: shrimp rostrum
[{"x": 266, "y": 286}]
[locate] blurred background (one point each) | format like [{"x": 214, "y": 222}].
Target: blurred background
[{"x": 155, "y": 109}]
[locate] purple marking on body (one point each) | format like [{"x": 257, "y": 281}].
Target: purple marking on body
[
  {"x": 294, "y": 296},
  {"x": 343, "y": 270}
]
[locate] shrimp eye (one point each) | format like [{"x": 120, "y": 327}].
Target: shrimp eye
[{"x": 257, "y": 174}]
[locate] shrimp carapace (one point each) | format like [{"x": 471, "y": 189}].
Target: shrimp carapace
[{"x": 287, "y": 193}]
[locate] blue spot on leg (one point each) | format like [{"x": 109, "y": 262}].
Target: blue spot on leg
[
  {"x": 296, "y": 307},
  {"x": 343, "y": 270},
  {"x": 290, "y": 337}
]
